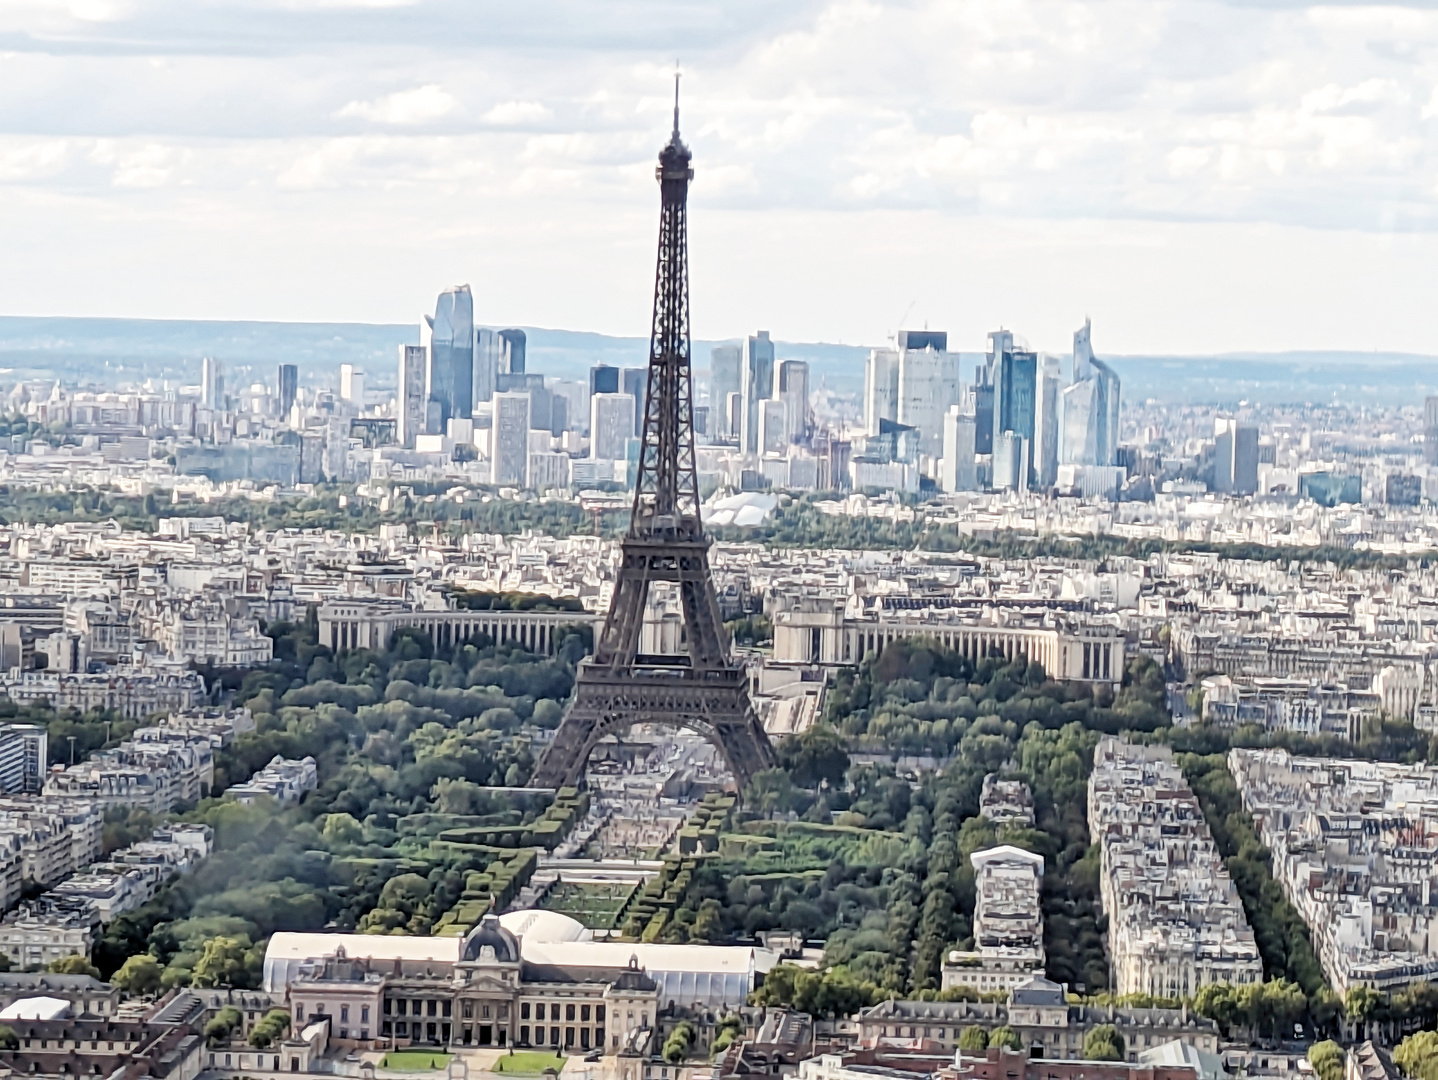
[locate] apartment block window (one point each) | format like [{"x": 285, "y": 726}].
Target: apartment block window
[
  {"x": 467, "y": 1010},
  {"x": 524, "y": 1034},
  {"x": 364, "y": 1014},
  {"x": 433, "y": 1008},
  {"x": 569, "y": 1012},
  {"x": 599, "y": 1014},
  {"x": 524, "y": 1010},
  {"x": 345, "y": 1013},
  {"x": 584, "y": 1013}
]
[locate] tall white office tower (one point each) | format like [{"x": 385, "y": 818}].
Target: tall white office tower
[
  {"x": 1048, "y": 387},
  {"x": 927, "y": 384},
  {"x": 1011, "y": 462},
  {"x": 725, "y": 364},
  {"x": 352, "y": 385},
  {"x": 1235, "y": 457},
  {"x": 611, "y": 425},
  {"x": 773, "y": 435},
  {"x": 794, "y": 393},
  {"x": 958, "y": 470},
  {"x": 757, "y": 375},
  {"x": 509, "y": 440},
  {"x": 1089, "y": 408},
  {"x": 881, "y": 388},
  {"x": 411, "y": 393},
  {"x": 488, "y": 356},
  {"x": 212, "y": 383}
]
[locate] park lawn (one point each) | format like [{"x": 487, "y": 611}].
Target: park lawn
[
  {"x": 528, "y": 1062},
  {"x": 414, "y": 1060}
]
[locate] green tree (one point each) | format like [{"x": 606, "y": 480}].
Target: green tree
[
  {"x": 770, "y": 791},
  {"x": 1006, "y": 1037},
  {"x": 223, "y": 1025},
  {"x": 8, "y": 1039},
  {"x": 815, "y": 757},
  {"x": 222, "y": 963},
  {"x": 1102, "y": 1042},
  {"x": 342, "y": 829},
  {"x": 1417, "y": 1055},
  {"x": 973, "y": 1039},
  {"x": 1326, "y": 1057},
  {"x": 677, "y": 1046},
  {"x": 139, "y": 975},
  {"x": 271, "y": 1027},
  {"x": 1360, "y": 1005},
  {"x": 74, "y": 965}
]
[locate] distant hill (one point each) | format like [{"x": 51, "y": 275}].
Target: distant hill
[{"x": 108, "y": 351}]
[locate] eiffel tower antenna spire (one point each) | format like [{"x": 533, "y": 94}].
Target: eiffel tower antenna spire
[
  {"x": 675, "y": 136},
  {"x": 636, "y": 676}
]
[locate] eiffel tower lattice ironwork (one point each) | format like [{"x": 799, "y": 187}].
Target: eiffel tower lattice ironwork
[{"x": 703, "y": 689}]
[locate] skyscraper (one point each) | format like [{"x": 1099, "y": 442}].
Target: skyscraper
[
  {"x": 603, "y": 379},
  {"x": 1089, "y": 408},
  {"x": 1430, "y": 430},
  {"x": 509, "y": 440},
  {"x": 983, "y": 412},
  {"x": 635, "y": 383},
  {"x": 352, "y": 385},
  {"x": 725, "y": 362},
  {"x": 958, "y": 470},
  {"x": 515, "y": 344},
  {"x": 794, "y": 392},
  {"x": 773, "y": 434},
  {"x": 287, "y": 384},
  {"x": 1235, "y": 457},
  {"x": 756, "y": 371},
  {"x": 1046, "y": 423},
  {"x": 927, "y": 384},
  {"x": 488, "y": 359},
  {"x": 1015, "y": 382},
  {"x": 212, "y": 383},
  {"x": 410, "y": 393},
  {"x": 881, "y": 388},
  {"x": 1011, "y": 461},
  {"x": 451, "y": 359},
  {"x": 611, "y": 425}
]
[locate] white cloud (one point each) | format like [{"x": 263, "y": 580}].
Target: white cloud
[
  {"x": 518, "y": 112},
  {"x": 421, "y": 105},
  {"x": 1048, "y": 122}
]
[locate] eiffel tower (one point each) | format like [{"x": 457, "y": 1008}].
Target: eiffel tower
[{"x": 703, "y": 689}]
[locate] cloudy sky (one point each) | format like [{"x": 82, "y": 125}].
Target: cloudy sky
[{"x": 1194, "y": 175}]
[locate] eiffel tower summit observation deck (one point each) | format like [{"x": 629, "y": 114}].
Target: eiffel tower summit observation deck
[{"x": 704, "y": 688}]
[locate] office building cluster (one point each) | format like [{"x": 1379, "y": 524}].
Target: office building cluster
[
  {"x": 1022, "y": 424},
  {"x": 1354, "y": 844},
  {"x": 1175, "y": 921}
]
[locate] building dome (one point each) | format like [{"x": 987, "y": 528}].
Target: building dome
[
  {"x": 489, "y": 941},
  {"x": 540, "y": 924}
]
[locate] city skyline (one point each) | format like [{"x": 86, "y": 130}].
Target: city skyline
[{"x": 1189, "y": 197}]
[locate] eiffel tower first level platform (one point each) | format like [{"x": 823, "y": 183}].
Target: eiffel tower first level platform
[
  {"x": 703, "y": 689},
  {"x": 714, "y": 704}
]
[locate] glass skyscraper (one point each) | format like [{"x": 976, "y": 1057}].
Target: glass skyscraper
[{"x": 451, "y": 358}]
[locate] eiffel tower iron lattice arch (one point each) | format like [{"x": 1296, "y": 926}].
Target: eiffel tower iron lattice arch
[{"x": 702, "y": 689}]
